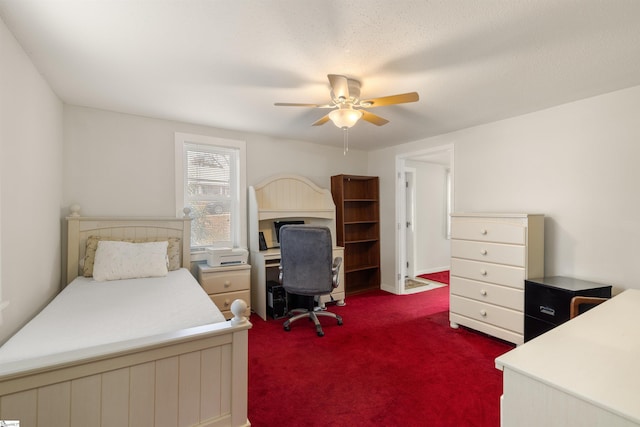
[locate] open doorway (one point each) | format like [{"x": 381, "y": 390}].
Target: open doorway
[{"x": 424, "y": 198}]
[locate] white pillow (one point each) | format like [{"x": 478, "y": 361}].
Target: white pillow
[{"x": 126, "y": 260}]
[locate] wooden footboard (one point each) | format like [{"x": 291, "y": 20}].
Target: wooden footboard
[{"x": 193, "y": 377}]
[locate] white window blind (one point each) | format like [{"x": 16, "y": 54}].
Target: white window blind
[{"x": 210, "y": 181}]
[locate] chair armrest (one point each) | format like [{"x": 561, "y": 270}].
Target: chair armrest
[
  {"x": 335, "y": 269},
  {"x": 577, "y": 301}
]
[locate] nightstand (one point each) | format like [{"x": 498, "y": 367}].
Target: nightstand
[
  {"x": 226, "y": 284},
  {"x": 547, "y": 301}
]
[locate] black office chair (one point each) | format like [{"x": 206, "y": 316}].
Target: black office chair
[{"x": 308, "y": 270}]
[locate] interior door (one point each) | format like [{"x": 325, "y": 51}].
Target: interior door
[{"x": 410, "y": 174}]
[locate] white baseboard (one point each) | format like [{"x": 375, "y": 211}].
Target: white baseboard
[
  {"x": 387, "y": 288},
  {"x": 432, "y": 270}
]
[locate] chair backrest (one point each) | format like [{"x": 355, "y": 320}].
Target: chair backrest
[{"x": 306, "y": 257}]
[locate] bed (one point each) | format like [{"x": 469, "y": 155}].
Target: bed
[{"x": 143, "y": 359}]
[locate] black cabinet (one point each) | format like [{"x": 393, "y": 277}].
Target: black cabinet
[{"x": 547, "y": 301}]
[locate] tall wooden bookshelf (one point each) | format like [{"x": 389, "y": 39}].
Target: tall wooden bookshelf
[{"x": 358, "y": 229}]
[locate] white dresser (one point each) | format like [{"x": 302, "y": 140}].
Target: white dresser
[{"x": 491, "y": 256}]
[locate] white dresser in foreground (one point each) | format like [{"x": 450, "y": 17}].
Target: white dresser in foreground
[
  {"x": 491, "y": 256},
  {"x": 583, "y": 373}
]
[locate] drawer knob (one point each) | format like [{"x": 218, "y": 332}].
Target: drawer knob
[
  {"x": 227, "y": 303},
  {"x": 483, "y": 313},
  {"x": 227, "y": 283},
  {"x": 483, "y": 292},
  {"x": 483, "y": 252},
  {"x": 483, "y": 272},
  {"x": 483, "y": 231}
]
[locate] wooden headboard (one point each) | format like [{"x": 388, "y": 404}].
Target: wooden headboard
[{"x": 79, "y": 228}]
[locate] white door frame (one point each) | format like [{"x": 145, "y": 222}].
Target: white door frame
[
  {"x": 401, "y": 238},
  {"x": 409, "y": 226}
]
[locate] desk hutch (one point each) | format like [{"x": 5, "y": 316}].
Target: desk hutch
[{"x": 285, "y": 198}]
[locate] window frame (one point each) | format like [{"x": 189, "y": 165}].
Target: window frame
[{"x": 239, "y": 228}]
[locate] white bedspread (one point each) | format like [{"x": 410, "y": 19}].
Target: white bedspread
[{"x": 89, "y": 313}]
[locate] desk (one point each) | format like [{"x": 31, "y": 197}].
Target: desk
[
  {"x": 279, "y": 198},
  {"x": 266, "y": 266},
  {"x": 583, "y": 373}
]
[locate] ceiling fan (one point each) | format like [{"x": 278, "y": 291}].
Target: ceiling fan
[{"x": 347, "y": 105}]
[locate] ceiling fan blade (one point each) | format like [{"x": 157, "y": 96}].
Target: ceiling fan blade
[
  {"x": 372, "y": 118},
  {"x": 290, "y": 104},
  {"x": 321, "y": 121},
  {"x": 339, "y": 86},
  {"x": 293, "y": 104},
  {"x": 390, "y": 100}
]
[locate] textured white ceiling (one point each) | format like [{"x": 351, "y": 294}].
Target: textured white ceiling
[{"x": 223, "y": 63}]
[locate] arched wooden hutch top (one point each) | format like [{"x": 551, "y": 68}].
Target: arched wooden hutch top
[{"x": 288, "y": 197}]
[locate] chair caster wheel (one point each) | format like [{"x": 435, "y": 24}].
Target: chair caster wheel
[
  {"x": 287, "y": 328},
  {"x": 339, "y": 322},
  {"x": 320, "y": 333}
]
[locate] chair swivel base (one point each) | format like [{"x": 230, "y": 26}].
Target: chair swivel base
[{"x": 312, "y": 315}]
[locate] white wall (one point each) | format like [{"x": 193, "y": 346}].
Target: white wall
[
  {"x": 432, "y": 246},
  {"x": 121, "y": 164},
  {"x": 576, "y": 163},
  {"x": 31, "y": 179}
]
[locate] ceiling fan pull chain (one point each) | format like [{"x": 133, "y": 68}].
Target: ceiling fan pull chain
[{"x": 345, "y": 141}]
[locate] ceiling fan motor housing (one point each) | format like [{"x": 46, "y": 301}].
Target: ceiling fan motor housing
[{"x": 354, "y": 93}]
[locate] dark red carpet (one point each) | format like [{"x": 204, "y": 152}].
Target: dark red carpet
[
  {"x": 440, "y": 277},
  {"x": 394, "y": 362}
]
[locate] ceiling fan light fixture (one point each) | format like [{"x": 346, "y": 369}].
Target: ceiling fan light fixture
[{"x": 345, "y": 118}]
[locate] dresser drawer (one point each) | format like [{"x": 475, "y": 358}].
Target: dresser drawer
[
  {"x": 486, "y": 272},
  {"x": 485, "y": 292},
  {"x": 490, "y": 252},
  {"x": 226, "y": 281},
  {"x": 488, "y": 231},
  {"x": 498, "y": 316},
  {"x": 223, "y": 301}
]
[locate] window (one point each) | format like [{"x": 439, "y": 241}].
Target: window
[{"x": 210, "y": 180}]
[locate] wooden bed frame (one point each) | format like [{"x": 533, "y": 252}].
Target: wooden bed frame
[{"x": 195, "y": 377}]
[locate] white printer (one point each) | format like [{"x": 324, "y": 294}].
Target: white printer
[{"x": 217, "y": 257}]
